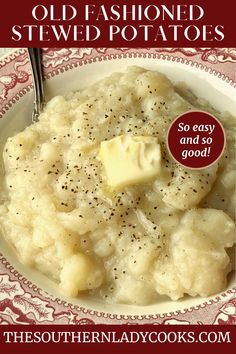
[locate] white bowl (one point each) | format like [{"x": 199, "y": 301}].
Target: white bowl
[{"x": 209, "y": 74}]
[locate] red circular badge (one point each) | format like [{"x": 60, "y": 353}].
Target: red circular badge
[{"x": 196, "y": 139}]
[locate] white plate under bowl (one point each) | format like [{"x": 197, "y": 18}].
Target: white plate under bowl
[{"x": 27, "y": 296}]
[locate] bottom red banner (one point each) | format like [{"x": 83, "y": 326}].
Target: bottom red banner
[{"x": 116, "y": 339}]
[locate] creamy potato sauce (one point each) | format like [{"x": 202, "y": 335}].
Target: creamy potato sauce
[{"x": 170, "y": 236}]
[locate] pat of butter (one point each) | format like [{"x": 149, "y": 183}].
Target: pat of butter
[{"x": 129, "y": 159}]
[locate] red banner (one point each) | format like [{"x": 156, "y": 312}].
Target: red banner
[
  {"x": 146, "y": 23},
  {"x": 116, "y": 339}
]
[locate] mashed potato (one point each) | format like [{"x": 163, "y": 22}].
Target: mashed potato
[{"x": 168, "y": 236}]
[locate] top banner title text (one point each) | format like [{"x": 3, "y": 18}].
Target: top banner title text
[{"x": 127, "y": 22}]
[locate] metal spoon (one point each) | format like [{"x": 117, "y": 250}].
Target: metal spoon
[{"x": 37, "y": 74}]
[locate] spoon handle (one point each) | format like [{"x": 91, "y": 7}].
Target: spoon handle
[{"x": 39, "y": 96}]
